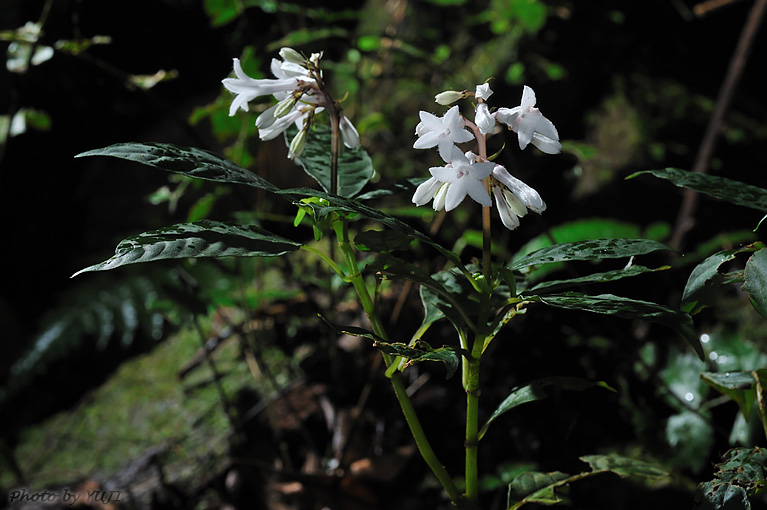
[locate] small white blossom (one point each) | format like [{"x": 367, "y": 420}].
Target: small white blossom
[
  {"x": 483, "y": 91},
  {"x": 442, "y": 132},
  {"x": 450, "y": 184},
  {"x": 530, "y": 125}
]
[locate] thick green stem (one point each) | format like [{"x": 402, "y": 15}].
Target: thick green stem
[{"x": 472, "y": 423}]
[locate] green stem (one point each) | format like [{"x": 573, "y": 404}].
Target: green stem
[
  {"x": 472, "y": 423},
  {"x": 422, "y": 442}
]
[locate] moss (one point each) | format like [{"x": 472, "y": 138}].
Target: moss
[{"x": 143, "y": 405}]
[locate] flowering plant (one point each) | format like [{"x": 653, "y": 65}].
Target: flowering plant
[{"x": 478, "y": 301}]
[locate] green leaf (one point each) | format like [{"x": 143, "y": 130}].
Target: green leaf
[
  {"x": 209, "y": 166},
  {"x": 421, "y": 351},
  {"x": 194, "y": 240},
  {"x": 629, "y": 309},
  {"x": 355, "y": 168},
  {"x": 705, "y": 280},
  {"x": 607, "y": 276},
  {"x": 542, "y": 488},
  {"x": 739, "y": 386},
  {"x": 539, "y": 390},
  {"x": 623, "y": 467},
  {"x": 188, "y": 161},
  {"x": 595, "y": 249},
  {"x": 756, "y": 281},
  {"x": 536, "y": 487},
  {"x": 741, "y": 475},
  {"x": 722, "y": 188}
]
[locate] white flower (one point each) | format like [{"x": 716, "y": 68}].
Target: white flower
[
  {"x": 450, "y": 184},
  {"x": 483, "y": 91},
  {"x": 513, "y": 197},
  {"x": 484, "y": 121},
  {"x": 247, "y": 88},
  {"x": 442, "y": 132},
  {"x": 269, "y": 125},
  {"x": 530, "y": 125}
]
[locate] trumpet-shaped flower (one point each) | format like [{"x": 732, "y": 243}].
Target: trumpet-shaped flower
[
  {"x": 513, "y": 197},
  {"x": 450, "y": 184},
  {"x": 442, "y": 132},
  {"x": 530, "y": 124},
  {"x": 246, "y": 88}
]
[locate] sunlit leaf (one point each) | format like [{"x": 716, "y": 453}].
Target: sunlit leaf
[
  {"x": 194, "y": 240},
  {"x": 735, "y": 192},
  {"x": 595, "y": 249},
  {"x": 189, "y": 161},
  {"x": 607, "y": 276}
]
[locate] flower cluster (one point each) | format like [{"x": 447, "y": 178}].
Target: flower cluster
[
  {"x": 472, "y": 174},
  {"x": 297, "y": 87}
]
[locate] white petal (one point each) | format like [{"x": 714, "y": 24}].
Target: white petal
[
  {"x": 429, "y": 121},
  {"x": 426, "y": 191},
  {"x": 528, "y": 98},
  {"x": 445, "y": 149},
  {"x": 485, "y": 122},
  {"x": 514, "y": 203},
  {"x": 507, "y": 115},
  {"x": 481, "y": 170},
  {"x": 483, "y": 91},
  {"x": 444, "y": 173},
  {"x": 509, "y": 219},
  {"x": 439, "y": 197},
  {"x": 456, "y": 192},
  {"x": 477, "y": 191},
  {"x": 349, "y": 133},
  {"x": 546, "y": 144},
  {"x": 427, "y": 140},
  {"x": 452, "y": 117},
  {"x": 525, "y": 134}
]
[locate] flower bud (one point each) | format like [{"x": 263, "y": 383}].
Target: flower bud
[
  {"x": 298, "y": 145},
  {"x": 284, "y": 106},
  {"x": 315, "y": 58},
  {"x": 291, "y": 55},
  {"x": 449, "y": 97}
]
